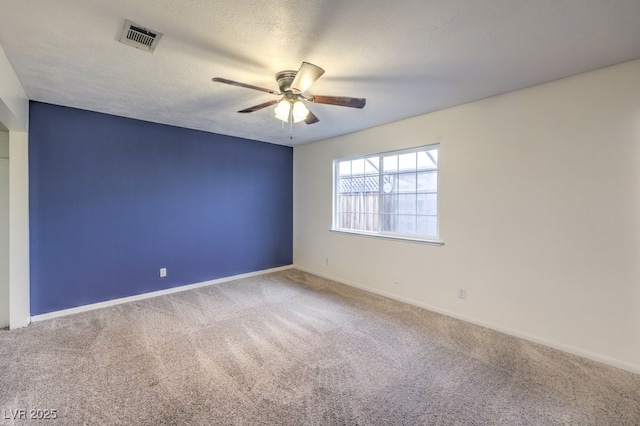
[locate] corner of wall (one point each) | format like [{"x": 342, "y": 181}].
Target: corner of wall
[{"x": 14, "y": 115}]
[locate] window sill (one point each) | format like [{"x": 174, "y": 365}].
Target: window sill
[{"x": 389, "y": 237}]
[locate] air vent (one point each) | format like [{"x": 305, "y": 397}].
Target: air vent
[{"x": 140, "y": 37}]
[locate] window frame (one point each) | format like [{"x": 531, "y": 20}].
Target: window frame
[{"x": 434, "y": 240}]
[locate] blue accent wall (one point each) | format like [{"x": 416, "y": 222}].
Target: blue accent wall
[{"x": 112, "y": 200}]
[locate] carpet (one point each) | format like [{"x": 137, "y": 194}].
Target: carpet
[{"x": 290, "y": 348}]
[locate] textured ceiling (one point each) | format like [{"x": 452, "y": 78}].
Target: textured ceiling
[{"x": 407, "y": 57}]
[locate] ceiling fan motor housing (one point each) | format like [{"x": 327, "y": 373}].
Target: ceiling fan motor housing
[{"x": 284, "y": 79}]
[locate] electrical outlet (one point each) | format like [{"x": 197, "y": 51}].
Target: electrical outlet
[
  {"x": 326, "y": 261},
  {"x": 163, "y": 272},
  {"x": 462, "y": 293}
]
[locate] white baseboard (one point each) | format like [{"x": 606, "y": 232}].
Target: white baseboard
[
  {"x": 532, "y": 338},
  {"x": 99, "y": 305}
]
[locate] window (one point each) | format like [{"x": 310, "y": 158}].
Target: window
[{"x": 392, "y": 194}]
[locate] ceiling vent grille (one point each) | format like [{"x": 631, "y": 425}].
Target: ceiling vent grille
[{"x": 140, "y": 37}]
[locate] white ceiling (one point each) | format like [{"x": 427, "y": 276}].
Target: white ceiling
[{"x": 407, "y": 57}]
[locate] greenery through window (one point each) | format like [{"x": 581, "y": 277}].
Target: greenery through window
[{"x": 393, "y": 193}]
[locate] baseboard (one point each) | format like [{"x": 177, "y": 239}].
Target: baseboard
[
  {"x": 99, "y": 305},
  {"x": 532, "y": 338}
]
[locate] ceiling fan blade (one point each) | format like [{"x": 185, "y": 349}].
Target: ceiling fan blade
[
  {"x": 305, "y": 77},
  {"x": 338, "y": 100},
  {"x": 248, "y": 86},
  {"x": 311, "y": 118},
  {"x": 260, "y": 106}
]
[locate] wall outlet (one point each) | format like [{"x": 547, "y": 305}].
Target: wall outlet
[
  {"x": 326, "y": 261},
  {"x": 163, "y": 272},
  {"x": 462, "y": 293}
]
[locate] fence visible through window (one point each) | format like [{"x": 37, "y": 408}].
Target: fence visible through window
[{"x": 393, "y": 193}]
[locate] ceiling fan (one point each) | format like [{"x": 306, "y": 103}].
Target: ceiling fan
[{"x": 293, "y": 85}]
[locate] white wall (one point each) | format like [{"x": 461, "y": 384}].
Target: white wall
[
  {"x": 14, "y": 104},
  {"x": 4, "y": 229},
  {"x": 539, "y": 212},
  {"x": 19, "y": 301},
  {"x": 14, "y": 115}
]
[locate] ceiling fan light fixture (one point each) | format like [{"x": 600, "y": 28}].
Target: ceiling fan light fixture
[
  {"x": 282, "y": 110},
  {"x": 300, "y": 111}
]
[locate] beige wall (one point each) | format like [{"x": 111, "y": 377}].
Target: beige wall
[
  {"x": 4, "y": 144},
  {"x": 539, "y": 212}
]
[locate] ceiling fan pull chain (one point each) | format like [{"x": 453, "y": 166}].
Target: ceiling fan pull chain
[{"x": 291, "y": 123}]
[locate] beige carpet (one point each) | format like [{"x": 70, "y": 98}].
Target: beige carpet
[{"x": 293, "y": 349}]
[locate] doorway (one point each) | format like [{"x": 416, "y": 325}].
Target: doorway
[{"x": 4, "y": 229}]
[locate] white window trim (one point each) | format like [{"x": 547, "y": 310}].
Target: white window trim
[
  {"x": 381, "y": 235},
  {"x": 388, "y": 236}
]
